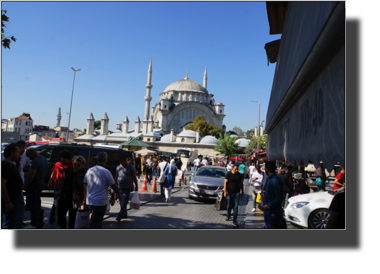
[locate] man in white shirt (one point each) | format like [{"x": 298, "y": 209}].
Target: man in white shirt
[
  {"x": 196, "y": 164},
  {"x": 204, "y": 162},
  {"x": 162, "y": 166},
  {"x": 95, "y": 184},
  {"x": 252, "y": 169}
]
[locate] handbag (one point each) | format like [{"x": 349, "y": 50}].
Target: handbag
[
  {"x": 319, "y": 182},
  {"x": 135, "y": 201},
  {"x": 82, "y": 219}
]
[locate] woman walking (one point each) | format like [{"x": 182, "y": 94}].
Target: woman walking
[
  {"x": 171, "y": 173},
  {"x": 71, "y": 196},
  {"x": 257, "y": 179}
]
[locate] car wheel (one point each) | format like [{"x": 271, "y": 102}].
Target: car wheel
[
  {"x": 318, "y": 219},
  {"x": 191, "y": 197}
]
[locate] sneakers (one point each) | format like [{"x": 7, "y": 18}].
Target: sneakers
[
  {"x": 228, "y": 218},
  {"x": 235, "y": 224},
  {"x": 253, "y": 209}
]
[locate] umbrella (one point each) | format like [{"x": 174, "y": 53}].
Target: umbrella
[
  {"x": 235, "y": 159},
  {"x": 145, "y": 151}
]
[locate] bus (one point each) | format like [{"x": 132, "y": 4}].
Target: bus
[{"x": 187, "y": 156}]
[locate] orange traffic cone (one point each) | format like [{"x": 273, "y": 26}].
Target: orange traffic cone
[
  {"x": 154, "y": 186},
  {"x": 144, "y": 186}
]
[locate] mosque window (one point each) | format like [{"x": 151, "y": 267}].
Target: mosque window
[
  {"x": 148, "y": 139},
  {"x": 220, "y": 111},
  {"x": 183, "y": 140},
  {"x": 164, "y": 106}
]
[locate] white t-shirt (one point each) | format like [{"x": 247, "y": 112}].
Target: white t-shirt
[
  {"x": 259, "y": 177},
  {"x": 98, "y": 179},
  {"x": 162, "y": 165},
  {"x": 196, "y": 162},
  {"x": 252, "y": 169},
  {"x": 204, "y": 161}
]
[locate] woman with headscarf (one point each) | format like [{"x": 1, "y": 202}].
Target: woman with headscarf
[{"x": 170, "y": 172}]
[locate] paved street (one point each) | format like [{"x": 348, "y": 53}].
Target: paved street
[{"x": 181, "y": 213}]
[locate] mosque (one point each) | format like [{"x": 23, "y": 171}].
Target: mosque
[{"x": 179, "y": 104}]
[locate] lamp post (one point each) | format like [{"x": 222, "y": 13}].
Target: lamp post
[
  {"x": 258, "y": 127},
  {"x": 72, "y": 93}
]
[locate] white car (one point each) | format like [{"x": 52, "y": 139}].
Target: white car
[{"x": 309, "y": 210}]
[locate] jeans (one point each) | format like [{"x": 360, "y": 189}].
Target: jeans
[
  {"x": 273, "y": 219},
  {"x": 13, "y": 219},
  {"x": 33, "y": 197},
  {"x": 63, "y": 207},
  {"x": 124, "y": 201},
  {"x": 195, "y": 169},
  {"x": 233, "y": 202},
  {"x": 97, "y": 216},
  {"x": 148, "y": 173}
]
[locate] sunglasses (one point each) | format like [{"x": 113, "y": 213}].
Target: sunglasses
[{"x": 79, "y": 165}]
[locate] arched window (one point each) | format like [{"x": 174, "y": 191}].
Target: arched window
[
  {"x": 220, "y": 111},
  {"x": 164, "y": 106},
  {"x": 183, "y": 140},
  {"x": 148, "y": 139}
]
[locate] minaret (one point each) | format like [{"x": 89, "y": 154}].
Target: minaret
[
  {"x": 137, "y": 125},
  {"x": 104, "y": 124},
  {"x": 59, "y": 117},
  {"x": 205, "y": 79},
  {"x": 147, "y": 98},
  {"x": 125, "y": 125},
  {"x": 90, "y": 125}
]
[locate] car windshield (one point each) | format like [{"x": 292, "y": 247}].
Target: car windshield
[{"x": 212, "y": 172}]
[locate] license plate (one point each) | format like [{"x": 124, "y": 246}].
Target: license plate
[{"x": 209, "y": 192}]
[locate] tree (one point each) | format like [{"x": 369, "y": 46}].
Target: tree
[
  {"x": 226, "y": 145},
  {"x": 205, "y": 128},
  {"x": 238, "y": 130},
  {"x": 6, "y": 42},
  {"x": 250, "y": 133},
  {"x": 263, "y": 144}
]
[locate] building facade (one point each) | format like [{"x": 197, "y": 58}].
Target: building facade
[{"x": 22, "y": 124}]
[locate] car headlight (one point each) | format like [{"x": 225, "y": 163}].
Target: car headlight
[
  {"x": 299, "y": 205},
  {"x": 193, "y": 185}
]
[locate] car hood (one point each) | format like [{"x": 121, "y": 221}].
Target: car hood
[
  {"x": 212, "y": 181},
  {"x": 312, "y": 197}
]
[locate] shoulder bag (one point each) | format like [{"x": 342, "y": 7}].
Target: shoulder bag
[{"x": 163, "y": 175}]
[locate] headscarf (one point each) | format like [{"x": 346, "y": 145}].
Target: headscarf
[{"x": 171, "y": 164}]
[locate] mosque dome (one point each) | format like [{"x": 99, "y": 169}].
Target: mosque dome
[
  {"x": 187, "y": 133},
  {"x": 186, "y": 85},
  {"x": 165, "y": 138},
  {"x": 209, "y": 140},
  {"x": 242, "y": 142}
]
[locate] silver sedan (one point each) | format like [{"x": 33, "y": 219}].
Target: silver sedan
[{"x": 207, "y": 182}]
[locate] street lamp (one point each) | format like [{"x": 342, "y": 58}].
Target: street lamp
[
  {"x": 258, "y": 127},
  {"x": 72, "y": 93}
]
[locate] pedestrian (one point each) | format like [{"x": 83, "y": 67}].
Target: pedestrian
[
  {"x": 320, "y": 173},
  {"x": 272, "y": 199},
  {"x": 222, "y": 164},
  {"x": 205, "y": 162},
  {"x": 290, "y": 181},
  {"x": 24, "y": 164},
  {"x": 33, "y": 185},
  {"x": 155, "y": 166},
  {"x": 178, "y": 163},
  {"x": 257, "y": 182},
  {"x": 233, "y": 190},
  {"x": 196, "y": 163},
  {"x": 162, "y": 167},
  {"x": 171, "y": 173},
  {"x": 125, "y": 177},
  {"x": 12, "y": 200},
  {"x": 283, "y": 178},
  {"x": 70, "y": 192},
  {"x": 339, "y": 179},
  {"x": 252, "y": 169},
  {"x": 56, "y": 175},
  {"x": 337, "y": 218},
  {"x": 95, "y": 185},
  {"x": 149, "y": 168},
  {"x": 138, "y": 165},
  {"x": 94, "y": 161},
  {"x": 242, "y": 168}
]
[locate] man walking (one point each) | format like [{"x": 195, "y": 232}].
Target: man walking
[
  {"x": 272, "y": 205},
  {"x": 149, "y": 167},
  {"x": 233, "y": 185},
  {"x": 12, "y": 200},
  {"x": 138, "y": 165},
  {"x": 125, "y": 177},
  {"x": 33, "y": 185},
  {"x": 95, "y": 186},
  {"x": 196, "y": 164},
  {"x": 162, "y": 167}
]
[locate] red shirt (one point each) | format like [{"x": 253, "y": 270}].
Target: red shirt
[
  {"x": 340, "y": 178},
  {"x": 58, "y": 170}
]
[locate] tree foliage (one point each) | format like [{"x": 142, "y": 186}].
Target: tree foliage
[
  {"x": 263, "y": 144},
  {"x": 205, "y": 128},
  {"x": 6, "y": 41},
  {"x": 238, "y": 130},
  {"x": 226, "y": 145}
]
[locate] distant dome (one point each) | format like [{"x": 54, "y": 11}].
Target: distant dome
[
  {"x": 153, "y": 134},
  {"x": 187, "y": 133},
  {"x": 165, "y": 138},
  {"x": 209, "y": 140},
  {"x": 242, "y": 142},
  {"x": 186, "y": 85}
]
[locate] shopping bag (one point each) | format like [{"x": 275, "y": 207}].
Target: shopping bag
[
  {"x": 135, "y": 201},
  {"x": 82, "y": 218},
  {"x": 258, "y": 197}
]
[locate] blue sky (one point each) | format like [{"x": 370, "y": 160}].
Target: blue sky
[{"x": 112, "y": 43}]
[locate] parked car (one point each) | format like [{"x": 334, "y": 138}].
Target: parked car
[
  {"x": 310, "y": 210},
  {"x": 51, "y": 153},
  {"x": 207, "y": 182}
]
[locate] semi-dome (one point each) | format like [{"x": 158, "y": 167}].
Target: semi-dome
[
  {"x": 209, "y": 140},
  {"x": 186, "y": 85},
  {"x": 187, "y": 133}
]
